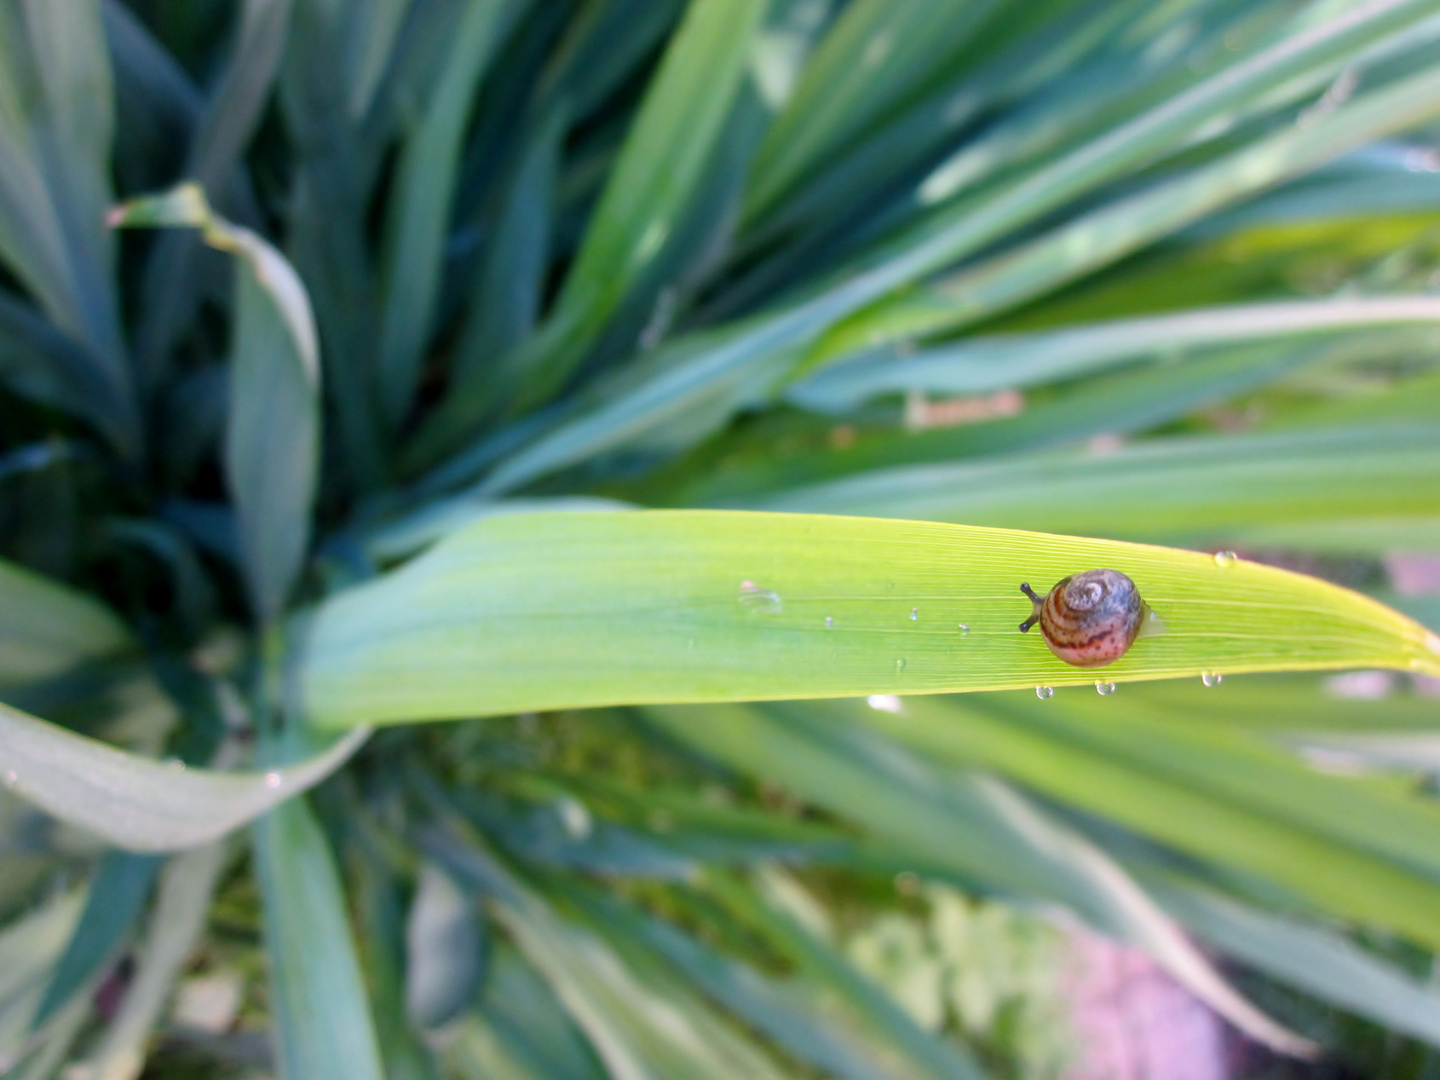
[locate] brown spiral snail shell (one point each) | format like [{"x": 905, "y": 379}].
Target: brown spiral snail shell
[{"x": 1088, "y": 619}]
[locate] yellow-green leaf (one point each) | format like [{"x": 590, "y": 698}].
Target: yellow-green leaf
[{"x": 544, "y": 611}]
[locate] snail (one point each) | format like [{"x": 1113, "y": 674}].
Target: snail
[{"x": 1088, "y": 619}]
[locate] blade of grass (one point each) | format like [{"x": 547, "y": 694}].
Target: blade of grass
[
  {"x": 113, "y": 906},
  {"x": 31, "y": 943},
  {"x": 38, "y": 362},
  {"x": 978, "y": 365},
  {"x": 170, "y": 291},
  {"x": 137, "y": 803},
  {"x": 335, "y": 164},
  {"x": 789, "y": 1011},
  {"x": 185, "y": 892},
  {"x": 56, "y": 127},
  {"x": 47, "y": 628},
  {"x": 1379, "y": 750},
  {"x": 156, "y": 103},
  {"x": 1285, "y": 703},
  {"x": 643, "y": 1023},
  {"x": 372, "y": 44},
  {"x": 323, "y": 1025},
  {"x": 383, "y": 946},
  {"x": 1193, "y": 490},
  {"x": 443, "y": 950},
  {"x": 506, "y": 301},
  {"x": 877, "y": 52},
  {"x": 1103, "y": 235},
  {"x": 814, "y": 956},
  {"x": 1321, "y": 962},
  {"x": 1023, "y": 51},
  {"x": 1244, "y": 769},
  {"x": 1109, "y": 407},
  {"x": 532, "y": 1024},
  {"x": 532, "y": 612},
  {"x": 56, "y": 120},
  {"x": 420, "y": 207},
  {"x": 272, "y": 442},
  {"x": 1337, "y": 878},
  {"x": 680, "y": 123}
]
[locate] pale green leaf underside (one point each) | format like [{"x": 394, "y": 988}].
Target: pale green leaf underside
[
  {"x": 544, "y": 611},
  {"x": 138, "y": 803}
]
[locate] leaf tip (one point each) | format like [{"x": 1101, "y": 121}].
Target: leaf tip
[{"x": 183, "y": 205}]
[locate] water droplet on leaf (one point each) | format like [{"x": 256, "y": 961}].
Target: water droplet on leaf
[
  {"x": 1212, "y": 678},
  {"x": 1044, "y": 693},
  {"x": 760, "y": 601},
  {"x": 914, "y": 614},
  {"x": 1104, "y": 689},
  {"x": 1226, "y": 558},
  {"x": 963, "y": 629},
  {"x": 273, "y": 779}
]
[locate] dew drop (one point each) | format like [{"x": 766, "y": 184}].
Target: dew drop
[
  {"x": 758, "y": 600},
  {"x": 1104, "y": 689},
  {"x": 1226, "y": 558},
  {"x": 829, "y": 622},
  {"x": 963, "y": 629},
  {"x": 1044, "y": 693},
  {"x": 272, "y": 779},
  {"x": 900, "y": 664},
  {"x": 11, "y": 778},
  {"x": 914, "y": 614},
  {"x": 175, "y": 763},
  {"x": 884, "y": 703},
  {"x": 1212, "y": 678}
]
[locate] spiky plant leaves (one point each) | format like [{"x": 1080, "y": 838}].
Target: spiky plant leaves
[{"x": 1146, "y": 272}]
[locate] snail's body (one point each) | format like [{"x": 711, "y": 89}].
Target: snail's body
[{"x": 1089, "y": 619}]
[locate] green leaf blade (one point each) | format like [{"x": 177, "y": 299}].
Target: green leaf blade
[
  {"x": 323, "y": 1023},
  {"x": 140, "y": 804},
  {"x": 542, "y": 611}
]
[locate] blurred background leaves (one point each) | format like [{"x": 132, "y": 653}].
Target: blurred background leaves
[{"x": 1157, "y": 272}]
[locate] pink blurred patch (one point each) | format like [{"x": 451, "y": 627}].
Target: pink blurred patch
[
  {"x": 1414, "y": 575},
  {"x": 1133, "y": 1022}
]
